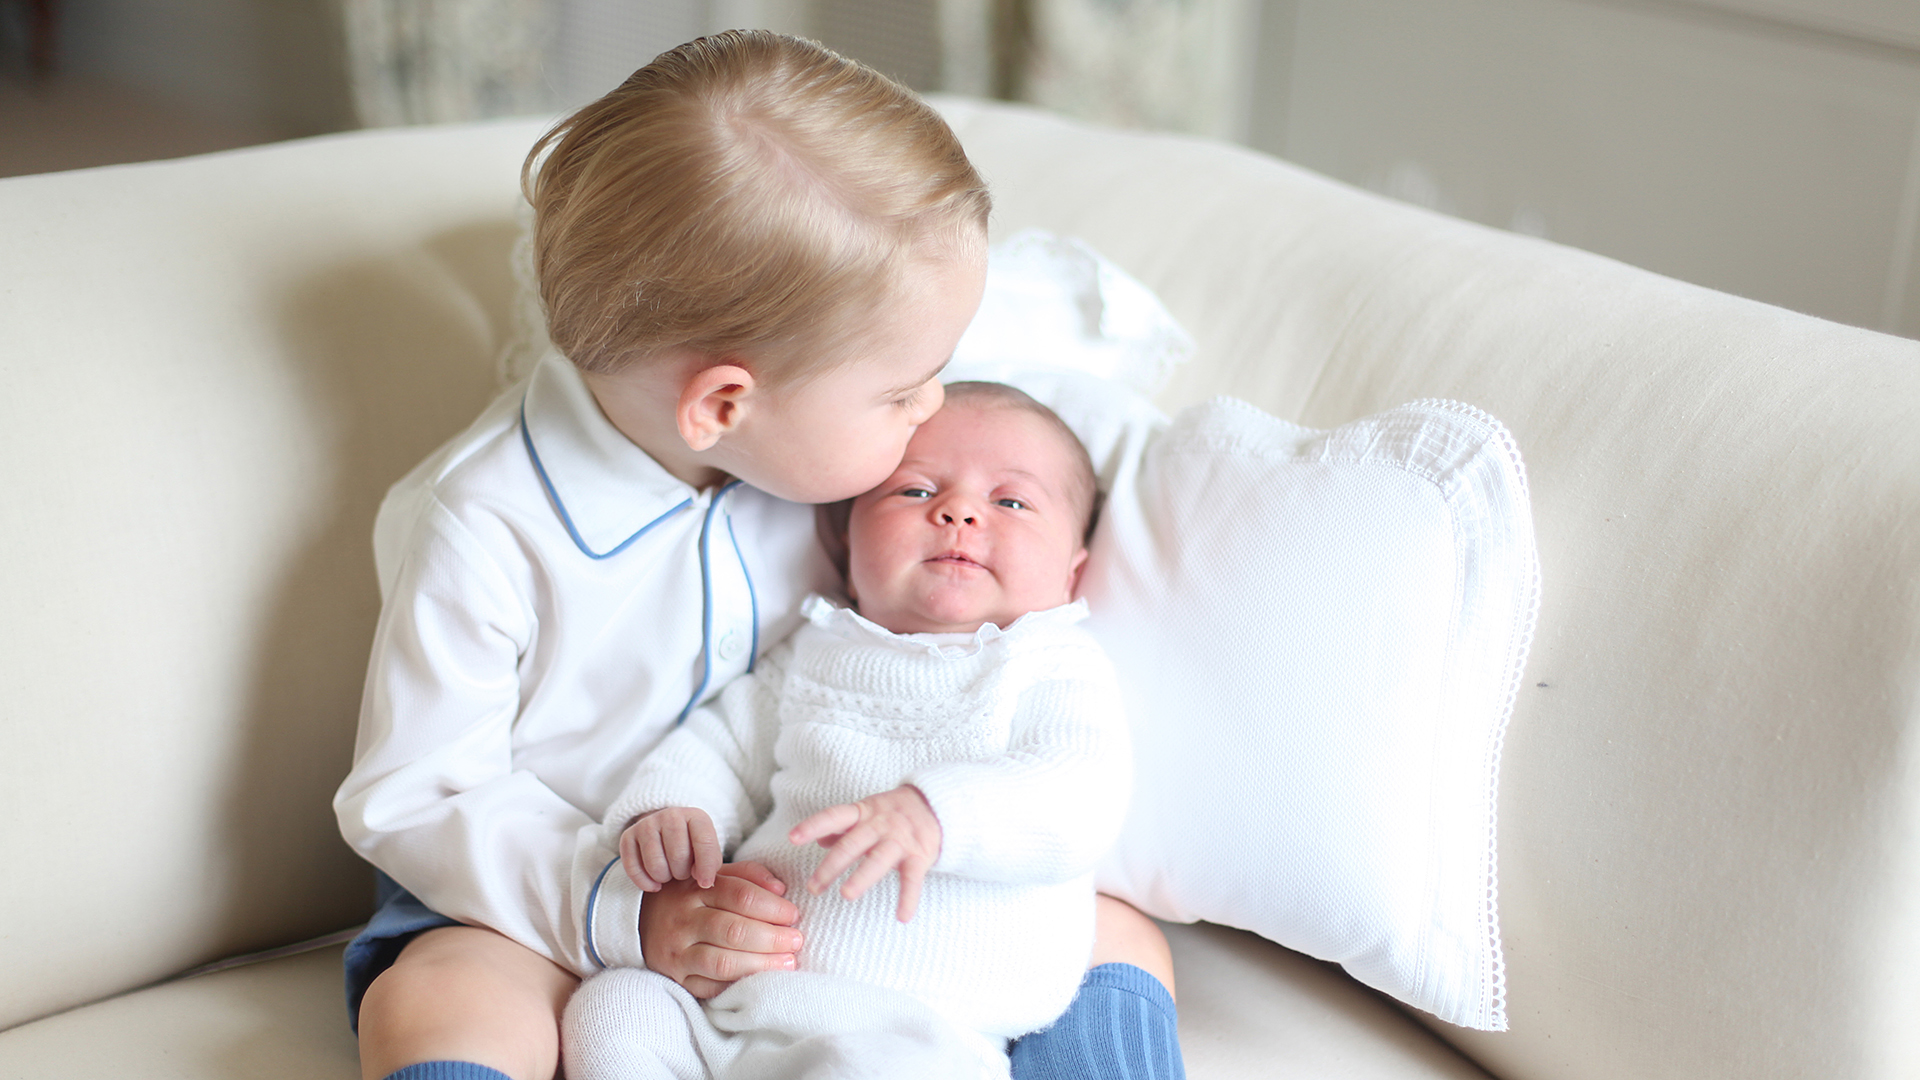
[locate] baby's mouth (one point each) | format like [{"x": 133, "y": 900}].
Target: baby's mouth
[{"x": 956, "y": 558}]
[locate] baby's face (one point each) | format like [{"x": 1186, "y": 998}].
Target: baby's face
[{"x": 977, "y": 525}]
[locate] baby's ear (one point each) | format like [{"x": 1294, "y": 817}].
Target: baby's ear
[
  {"x": 830, "y": 525},
  {"x": 712, "y": 403},
  {"x": 1075, "y": 571}
]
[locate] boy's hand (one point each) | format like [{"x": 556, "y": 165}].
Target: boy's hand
[
  {"x": 892, "y": 829},
  {"x": 671, "y": 845},
  {"x": 705, "y": 939}
]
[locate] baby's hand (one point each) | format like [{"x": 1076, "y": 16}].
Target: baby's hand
[
  {"x": 894, "y": 829},
  {"x": 671, "y": 845}
]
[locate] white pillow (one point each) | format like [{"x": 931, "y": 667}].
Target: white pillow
[
  {"x": 1077, "y": 332},
  {"x": 1053, "y": 303},
  {"x": 1321, "y": 634}
]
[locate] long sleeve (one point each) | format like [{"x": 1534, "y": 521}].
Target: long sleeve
[
  {"x": 1051, "y": 806},
  {"x": 721, "y": 760},
  {"x": 434, "y": 797},
  {"x": 481, "y": 731}
]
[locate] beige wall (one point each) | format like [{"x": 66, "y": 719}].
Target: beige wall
[
  {"x": 1769, "y": 148},
  {"x": 271, "y": 68}
]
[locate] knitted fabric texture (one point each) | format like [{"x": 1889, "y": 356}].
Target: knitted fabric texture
[{"x": 1017, "y": 738}]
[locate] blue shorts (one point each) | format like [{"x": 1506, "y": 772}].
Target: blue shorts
[{"x": 400, "y": 918}]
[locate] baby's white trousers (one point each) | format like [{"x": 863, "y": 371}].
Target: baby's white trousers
[{"x": 632, "y": 1024}]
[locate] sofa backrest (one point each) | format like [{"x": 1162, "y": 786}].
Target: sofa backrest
[{"x": 214, "y": 367}]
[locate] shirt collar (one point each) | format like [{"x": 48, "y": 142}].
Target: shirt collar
[{"x": 605, "y": 489}]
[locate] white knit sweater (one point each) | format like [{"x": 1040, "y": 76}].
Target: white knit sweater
[{"x": 1017, "y": 738}]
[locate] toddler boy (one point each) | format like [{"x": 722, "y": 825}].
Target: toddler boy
[{"x": 754, "y": 256}]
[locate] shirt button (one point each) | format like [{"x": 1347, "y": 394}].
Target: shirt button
[{"x": 732, "y": 646}]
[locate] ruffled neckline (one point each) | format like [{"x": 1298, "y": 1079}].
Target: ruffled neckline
[{"x": 850, "y": 624}]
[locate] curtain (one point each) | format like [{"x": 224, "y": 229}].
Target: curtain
[
  {"x": 427, "y": 61},
  {"x": 1172, "y": 65},
  {"x": 1177, "y": 65}
]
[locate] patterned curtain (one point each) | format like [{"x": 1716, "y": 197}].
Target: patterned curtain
[
  {"x": 1172, "y": 65},
  {"x": 428, "y": 61},
  {"x": 1176, "y": 65}
]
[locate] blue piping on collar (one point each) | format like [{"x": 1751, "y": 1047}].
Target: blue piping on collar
[
  {"x": 753, "y": 598},
  {"x": 706, "y": 576},
  {"x": 566, "y": 519},
  {"x": 706, "y": 601}
]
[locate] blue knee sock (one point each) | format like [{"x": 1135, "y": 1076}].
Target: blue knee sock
[
  {"x": 1121, "y": 1026},
  {"x": 447, "y": 1070}
]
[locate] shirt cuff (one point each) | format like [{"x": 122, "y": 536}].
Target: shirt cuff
[{"x": 613, "y": 920}]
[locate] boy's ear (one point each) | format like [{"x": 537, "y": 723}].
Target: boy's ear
[{"x": 712, "y": 403}]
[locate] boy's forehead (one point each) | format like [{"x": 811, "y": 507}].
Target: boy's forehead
[{"x": 923, "y": 379}]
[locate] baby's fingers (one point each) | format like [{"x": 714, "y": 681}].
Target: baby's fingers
[
  {"x": 912, "y": 873},
  {"x": 706, "y": 850},
  {"x": 840, "y": 856},
  {"x": 676, "y": 850},
  {"x": 692, "y": 847},
  {"x": 882, "y": 857},
  {"x": 636, "y": 861},
  {"x": 832, "y": 820}
]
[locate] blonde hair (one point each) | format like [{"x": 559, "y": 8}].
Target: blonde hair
[{"x": 742, "y": 191}]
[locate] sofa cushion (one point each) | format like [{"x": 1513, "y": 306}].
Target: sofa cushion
[
  {"x": 278, "y": 1020},
  {"x": 1249, "y": 1010}
]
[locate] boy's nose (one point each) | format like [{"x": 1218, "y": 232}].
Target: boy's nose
[
  {"x": 947, "y": 518},
  {"x": 931, "y": 399}
]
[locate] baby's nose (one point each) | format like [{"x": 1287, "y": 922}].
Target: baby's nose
[{"x": 948, "y": 518}]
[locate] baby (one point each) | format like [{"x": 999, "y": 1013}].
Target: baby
[{"x": 955, "y": 726}]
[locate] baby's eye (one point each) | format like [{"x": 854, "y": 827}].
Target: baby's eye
[
  {"x": 1012, "y": 504},
  {"x": 911, "y": 398},
  {"x": 916, "y": 493}
]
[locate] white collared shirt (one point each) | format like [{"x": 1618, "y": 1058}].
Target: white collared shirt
[{"x": 554, "y": 602}]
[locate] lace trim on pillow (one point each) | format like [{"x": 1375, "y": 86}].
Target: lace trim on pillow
[{"x": 1521, "y": 633}]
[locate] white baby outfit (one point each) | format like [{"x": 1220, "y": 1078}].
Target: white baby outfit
[{"x": 1017, "y": 738}]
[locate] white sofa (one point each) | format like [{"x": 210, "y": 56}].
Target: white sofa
[{"x": 1710, "y": 807}]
